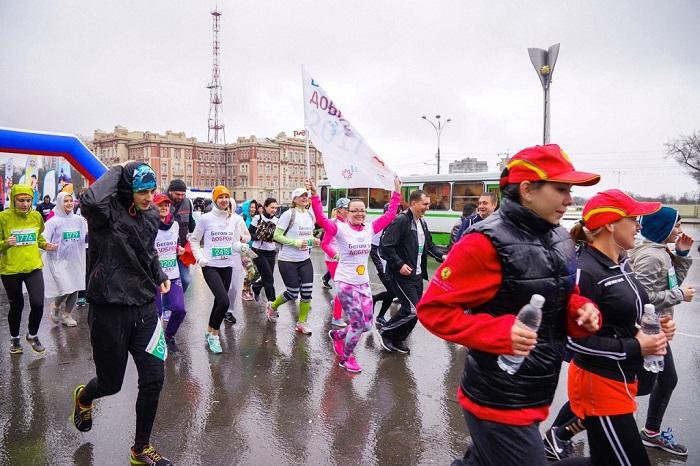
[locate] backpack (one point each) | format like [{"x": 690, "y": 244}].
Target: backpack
[{"x": 265, "y": 231}]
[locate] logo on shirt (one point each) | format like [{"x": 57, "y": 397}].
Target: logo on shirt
[
  {"x": 360, "y": 269},
  {"x": 445, "y": 273}
]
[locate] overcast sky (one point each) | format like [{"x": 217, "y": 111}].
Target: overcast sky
[{"x": 626, "y": 80}]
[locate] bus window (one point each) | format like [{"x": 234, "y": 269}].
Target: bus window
[
  {"x": 439, "y": 195},
  {"x": 378, "y": 197},
  {"x": 324, "y": 195},
  {"x": 358, "y": 193},
  {"x": 464, "y": 193}
]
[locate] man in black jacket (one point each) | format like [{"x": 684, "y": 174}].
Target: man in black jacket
[
  {"x": 182, "y": 211},
  {"x": 405, "y": 246},
  {"x": 122, "y": 283},
  {"x": 45, "y": 208}
]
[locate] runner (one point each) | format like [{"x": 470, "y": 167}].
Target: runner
[
  {"x": 168, "y": 247},
  {"x": 262, "y": 230},
  {"x": 294, "y": 232},
  {"x": 20, "y": 263},
  {"x": 353, "y": 240},
  {"x": 248, "y": 210},
  {"x": 65, "y": 267},
  {"x": 123, "y": 276},
  {"x": 225, "y": 237},
  {"x": 329, "y": 245}
]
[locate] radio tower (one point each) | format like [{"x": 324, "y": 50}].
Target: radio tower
[{"x": 216, "y": 133}]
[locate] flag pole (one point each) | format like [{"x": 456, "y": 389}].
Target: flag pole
[{"x": 306, "y": 131}]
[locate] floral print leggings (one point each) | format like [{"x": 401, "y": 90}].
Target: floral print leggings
[{"x": 357, "y": 304}]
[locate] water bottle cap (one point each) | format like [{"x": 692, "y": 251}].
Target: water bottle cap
[
  {"x": 649, "y": 308},
  {"x": 537, "y": 301}
]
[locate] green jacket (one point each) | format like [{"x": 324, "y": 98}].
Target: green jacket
[{"x": 24, "y": 256}]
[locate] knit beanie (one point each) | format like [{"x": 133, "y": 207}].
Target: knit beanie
[
  {"x": 177, "y": 185},
  {"x": 658, "y": 226},
  {"x": 220, "y": 191}
]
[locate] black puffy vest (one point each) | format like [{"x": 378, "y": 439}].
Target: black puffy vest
[{"x": 536, "y": 257}]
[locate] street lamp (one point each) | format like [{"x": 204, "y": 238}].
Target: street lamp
[
  {"x": 543, "y": 61},
  {"x": 438, "y": 131}
]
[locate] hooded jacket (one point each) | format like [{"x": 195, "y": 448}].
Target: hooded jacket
[
  {"x": 124, "y": 267},
  {"x": 24, "y": 257},
  {"x": 651, "y": 263},
  {"x": 64, "y": 268}
]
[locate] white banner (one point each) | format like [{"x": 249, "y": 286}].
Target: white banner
[{"x": 348, "y": 160}]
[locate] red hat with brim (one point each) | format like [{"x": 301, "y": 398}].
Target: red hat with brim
[
  {"x": 612, "y": 205},
  {"x": 545, "y": 163},
  {"x": 160, "y": 198}
]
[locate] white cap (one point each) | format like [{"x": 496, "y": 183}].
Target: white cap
[
  {"x": 537, "y": 301},
  {"x": 298, "y": 192}
]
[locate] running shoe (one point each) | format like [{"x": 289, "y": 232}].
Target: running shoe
[
  {"x": 149, "y": 456},
  {"x": 387, "y": 344},
  {"x": 53, "y": 314},
  {"x": 82, "y": 415},
  {"x": 68, "y": 321},
  {"x": 350, "y": 365},
  {"x": 256, "y": 296},
  {"x": 214, "y": 343},
  {"x": 172, "y": 345},
  {"x": 230, "y": 318},
  {"x": 36, "y": 345},
  {"x": 338, "y": 343},
  {"x": 247, "y": 295},
  {"x": 303, "y": 328},
  {"x": 401, "y": 347},
  {"x": 325, "y": 283},
  {"x": 663, "y": 440},
  {"x": 556, "y": 448},
  {"x": 207, "y": 335},
  {"x": 81, "y": 302},
  {"x": 381, "y": 321},
  {"x": 272, "y": 313},
  {"x": 15, "y": 346},
  {"x": 339, "y": 323}
]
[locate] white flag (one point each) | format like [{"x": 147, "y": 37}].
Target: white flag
[{"x": 348, "y": 160}]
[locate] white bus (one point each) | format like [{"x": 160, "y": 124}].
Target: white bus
[{"x": 448, "y": 195}]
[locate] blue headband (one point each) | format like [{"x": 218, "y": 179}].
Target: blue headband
[{"x": 144, "y": 178}]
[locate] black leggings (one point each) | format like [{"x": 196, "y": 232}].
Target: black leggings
[
  {"x": 387, "y": 296},
  {"x": 34, "y": 281},
  {"x": 218, "y": 280},
  {"x": 265, "y": 262},
  {"x": 661, "y": 390},
  {"x": 298, "y": 277}
]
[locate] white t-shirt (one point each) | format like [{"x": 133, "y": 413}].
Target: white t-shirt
[
  {"x": 166, "y": 244},
  {"x": 302, "y": 228},
  {"x": 353, "y": 248},
  {"x": 222, "y": 239},
  {"x": 421, "y": 244},
  {"x": 257, "y": 244}
]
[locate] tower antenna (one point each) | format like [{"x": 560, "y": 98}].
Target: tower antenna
[{"x": 216, "y": 132}]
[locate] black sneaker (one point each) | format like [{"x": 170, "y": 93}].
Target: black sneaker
[
  {"x": 149, "y": 456},
  {"x": 256, "y": 295},
  {"x": 381, "y": 321},
  {"x": 401, "y": 347},
  {"x": 663, "y": 440},
  {"x": 15, "y": 346},
  {"x": 229, "y": 317},
  {"x": 387, "y": 344},
  {"x": 172, "y": 345},
  {"x": 325, "y": 283},
  {"x": 82, "y": 415},
  {"x": 556, "y": 448},
  {"x": 36, "y": 345}
]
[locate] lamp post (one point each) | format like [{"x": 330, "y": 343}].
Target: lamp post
[
  {"x": 438, "y": 131},
  {"x": 543, "y": 61}
]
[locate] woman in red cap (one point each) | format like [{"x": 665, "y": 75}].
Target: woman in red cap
[
  {"x": 489, "y": 275},
  {"x": 603, "y": 373}
]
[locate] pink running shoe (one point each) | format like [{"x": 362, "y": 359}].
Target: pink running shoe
[
  {"x": 338, "y": 344},
  {"x": 247, "y": 295},
  {"x": 350, "y": 364},
  {"x": 271, "y": 313}
]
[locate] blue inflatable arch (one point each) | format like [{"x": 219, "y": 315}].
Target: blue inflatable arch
[{"x": 68, "y": 146}]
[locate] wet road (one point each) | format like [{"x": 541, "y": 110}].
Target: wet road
[{"x": 278, "y": 397}]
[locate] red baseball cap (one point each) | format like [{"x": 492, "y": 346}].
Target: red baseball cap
[
  {"x": 160, "y": 198},
  {"x": 545, "y": 163},
  {"x": 612, "y": 205}
]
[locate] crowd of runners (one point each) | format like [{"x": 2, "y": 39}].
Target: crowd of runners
[{"x": 595, "y": 281}]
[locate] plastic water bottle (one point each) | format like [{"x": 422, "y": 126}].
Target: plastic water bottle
[
  {"x": 652, "y": 326},
  {"x": 529, "y": 316}
]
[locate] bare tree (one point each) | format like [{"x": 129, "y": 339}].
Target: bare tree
[{"x": 686, "y": 151}]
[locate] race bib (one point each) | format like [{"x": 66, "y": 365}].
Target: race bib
[
  {"x": 71, "y": 235},
  {"x": 25, "y": 236},
  {"x": 672, "y": 279},
  {"x": 168, "y": 264},
  {"x": 221, "y": 253},
  {"x": 156, "y": 345}
]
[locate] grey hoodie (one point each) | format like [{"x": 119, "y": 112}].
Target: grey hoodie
[{"x": 651, "y": 262}]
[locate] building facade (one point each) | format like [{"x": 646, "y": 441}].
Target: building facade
[
  {"x": 251, "y": 168},
  {"x": 468, "y": 165}
]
